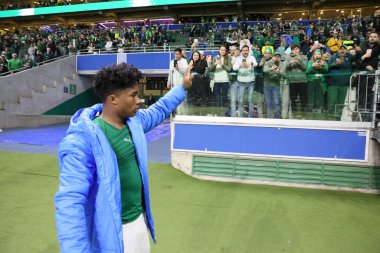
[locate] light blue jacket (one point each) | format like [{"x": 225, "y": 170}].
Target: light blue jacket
[{"x": 88, "y": 202}]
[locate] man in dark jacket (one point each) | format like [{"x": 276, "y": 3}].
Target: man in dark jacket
[{"x": 338, "y": 80}]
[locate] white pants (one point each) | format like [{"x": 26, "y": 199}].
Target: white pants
[{"x": 135, "y": 236}]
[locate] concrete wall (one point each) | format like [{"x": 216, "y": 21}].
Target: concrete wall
[{"x": 28, "y": 94}]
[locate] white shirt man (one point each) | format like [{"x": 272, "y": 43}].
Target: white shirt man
[
  {"x": 245, "y": 65},
  {"x": 177, "y": 69}
]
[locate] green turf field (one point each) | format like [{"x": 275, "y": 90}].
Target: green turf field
[{"x": 194, "y": 216}]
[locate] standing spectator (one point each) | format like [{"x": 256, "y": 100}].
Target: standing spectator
[
  {"x": 273, "y": 70},
  {"x": 14, "y": 63},
  {"x": 267, "y": 46},
  {"x": 259, "y": 81},
  {"x": 316, "y": 86},
  {"x": 334, "y": 43},
  {"x": 349, "y": 42},
  {"x": 296, "y": 38},
  {"x": 295, "y": 70},
  {"x": 49, "y": 55},
  {"x": 367, "y": 56},
  {"x": 234, "y": 84},
  {"x": 339, "y": 79},
  {"x": 269, "y": 38},
  {"x": 27, "y": 62},
  {"x": 369, "y": 53},
  {"x": 245, "y": 65},
  {"x": 221, "y": 66},
  {"x": 32, "y": 51},
  {"x": 189, "y": 43},
  {"x": 197, "y": 92},
  {"x": 3, "y": 64},
  {"x": 259, "y": 40},
  {"x": 202, "y": 44},
  {"x": 177, "y": 69},
  {"x": 151, "y": 100}
]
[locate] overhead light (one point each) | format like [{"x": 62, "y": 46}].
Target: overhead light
[
  {"x": 359, "y": 10},
  {"x": 341, "y": 11},
  {"x": 319, "y": 17},
  {"x": 300, "y": 18},
  {"x": 280, "y": 14},
  {"x": 337, "y": 10},
  {"x": 321, "y": 12},
  {"x": 303, "y": 13}
]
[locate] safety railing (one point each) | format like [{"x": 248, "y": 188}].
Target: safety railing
[
  {"x": 143, "y": 49},
  {"x": 35, "y": 65},
  {"x": 364, "y": 96}
]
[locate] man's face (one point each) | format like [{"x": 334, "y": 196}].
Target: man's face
[
  {"x": 277, "y": 58},
  {"x": 245, "y": 52},
  {"x": 14, "y": 56},
  {"x": 342, "y": 51},
  {"x": 126, "y": 102},
  {"x": 296, "y": 50},
  {"x": 267, "y": 56},
  {"x": 373, "y": 38},
  {"x": 177, "y": 55}
]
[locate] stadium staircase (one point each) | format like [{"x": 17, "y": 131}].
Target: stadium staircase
[{"x": 27, "y": 95}]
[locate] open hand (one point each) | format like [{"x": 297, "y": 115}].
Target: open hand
[{"x": 188, "y": 78}]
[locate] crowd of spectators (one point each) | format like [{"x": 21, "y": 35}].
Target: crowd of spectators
[
  {"x": 305, "y": 68},
  {"x": 13, "y": 5},
  {"x": 281, "y": 65},
  {"x": 36, "y": 46}
]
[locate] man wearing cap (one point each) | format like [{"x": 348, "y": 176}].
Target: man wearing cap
[
  {"x": 349, "y": 42},
  {"x": 334, "y": 43},
  {"x": 340, "y": 69},
  {"x": 295, "y": 67},
  {"x": 273, "y": 70}
]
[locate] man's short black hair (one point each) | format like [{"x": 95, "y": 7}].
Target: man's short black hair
[
  {"x": 114, "y": 78},
  {"x": 245, "y": 46},
  {"x": 178, "y": 50},
  {"x": 294, "y": 46}
]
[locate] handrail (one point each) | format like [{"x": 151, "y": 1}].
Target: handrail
[
  {"x": 144, "y": 49},
  {"x": 36, "y": 65},
  {"x": 372, "y": 110}
]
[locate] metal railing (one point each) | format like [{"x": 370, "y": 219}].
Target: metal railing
[
  {"x": 35, "y": 65},
  {"x": 144, "y": 49},
  {"x": 364, "y": 96}
]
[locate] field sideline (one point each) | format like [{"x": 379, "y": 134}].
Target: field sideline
[{"x": 197, "y": 216}]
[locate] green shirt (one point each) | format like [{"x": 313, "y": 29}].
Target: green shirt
[
  {"x": 14, "y": 64},
  {"x": 130, "y": 178}
]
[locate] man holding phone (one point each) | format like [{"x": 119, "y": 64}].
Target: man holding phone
[
  {"x": 245, "y": 66},
  {"x": 177, "y": 69}
]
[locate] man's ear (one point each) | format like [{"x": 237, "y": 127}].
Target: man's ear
[{"x": 112, "y": 99}]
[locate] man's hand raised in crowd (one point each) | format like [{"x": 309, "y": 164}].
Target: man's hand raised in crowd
[{"x": 188, "y": 78}]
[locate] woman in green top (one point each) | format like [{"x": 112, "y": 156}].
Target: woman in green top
[
  {"x": 221, "y": 66},
  {"x": 316, "y": 85}
]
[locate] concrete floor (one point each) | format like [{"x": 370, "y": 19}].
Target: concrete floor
[{"x": 44, "y": 140}]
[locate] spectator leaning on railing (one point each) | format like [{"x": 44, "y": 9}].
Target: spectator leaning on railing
[{"x": 14, "y": 63}]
